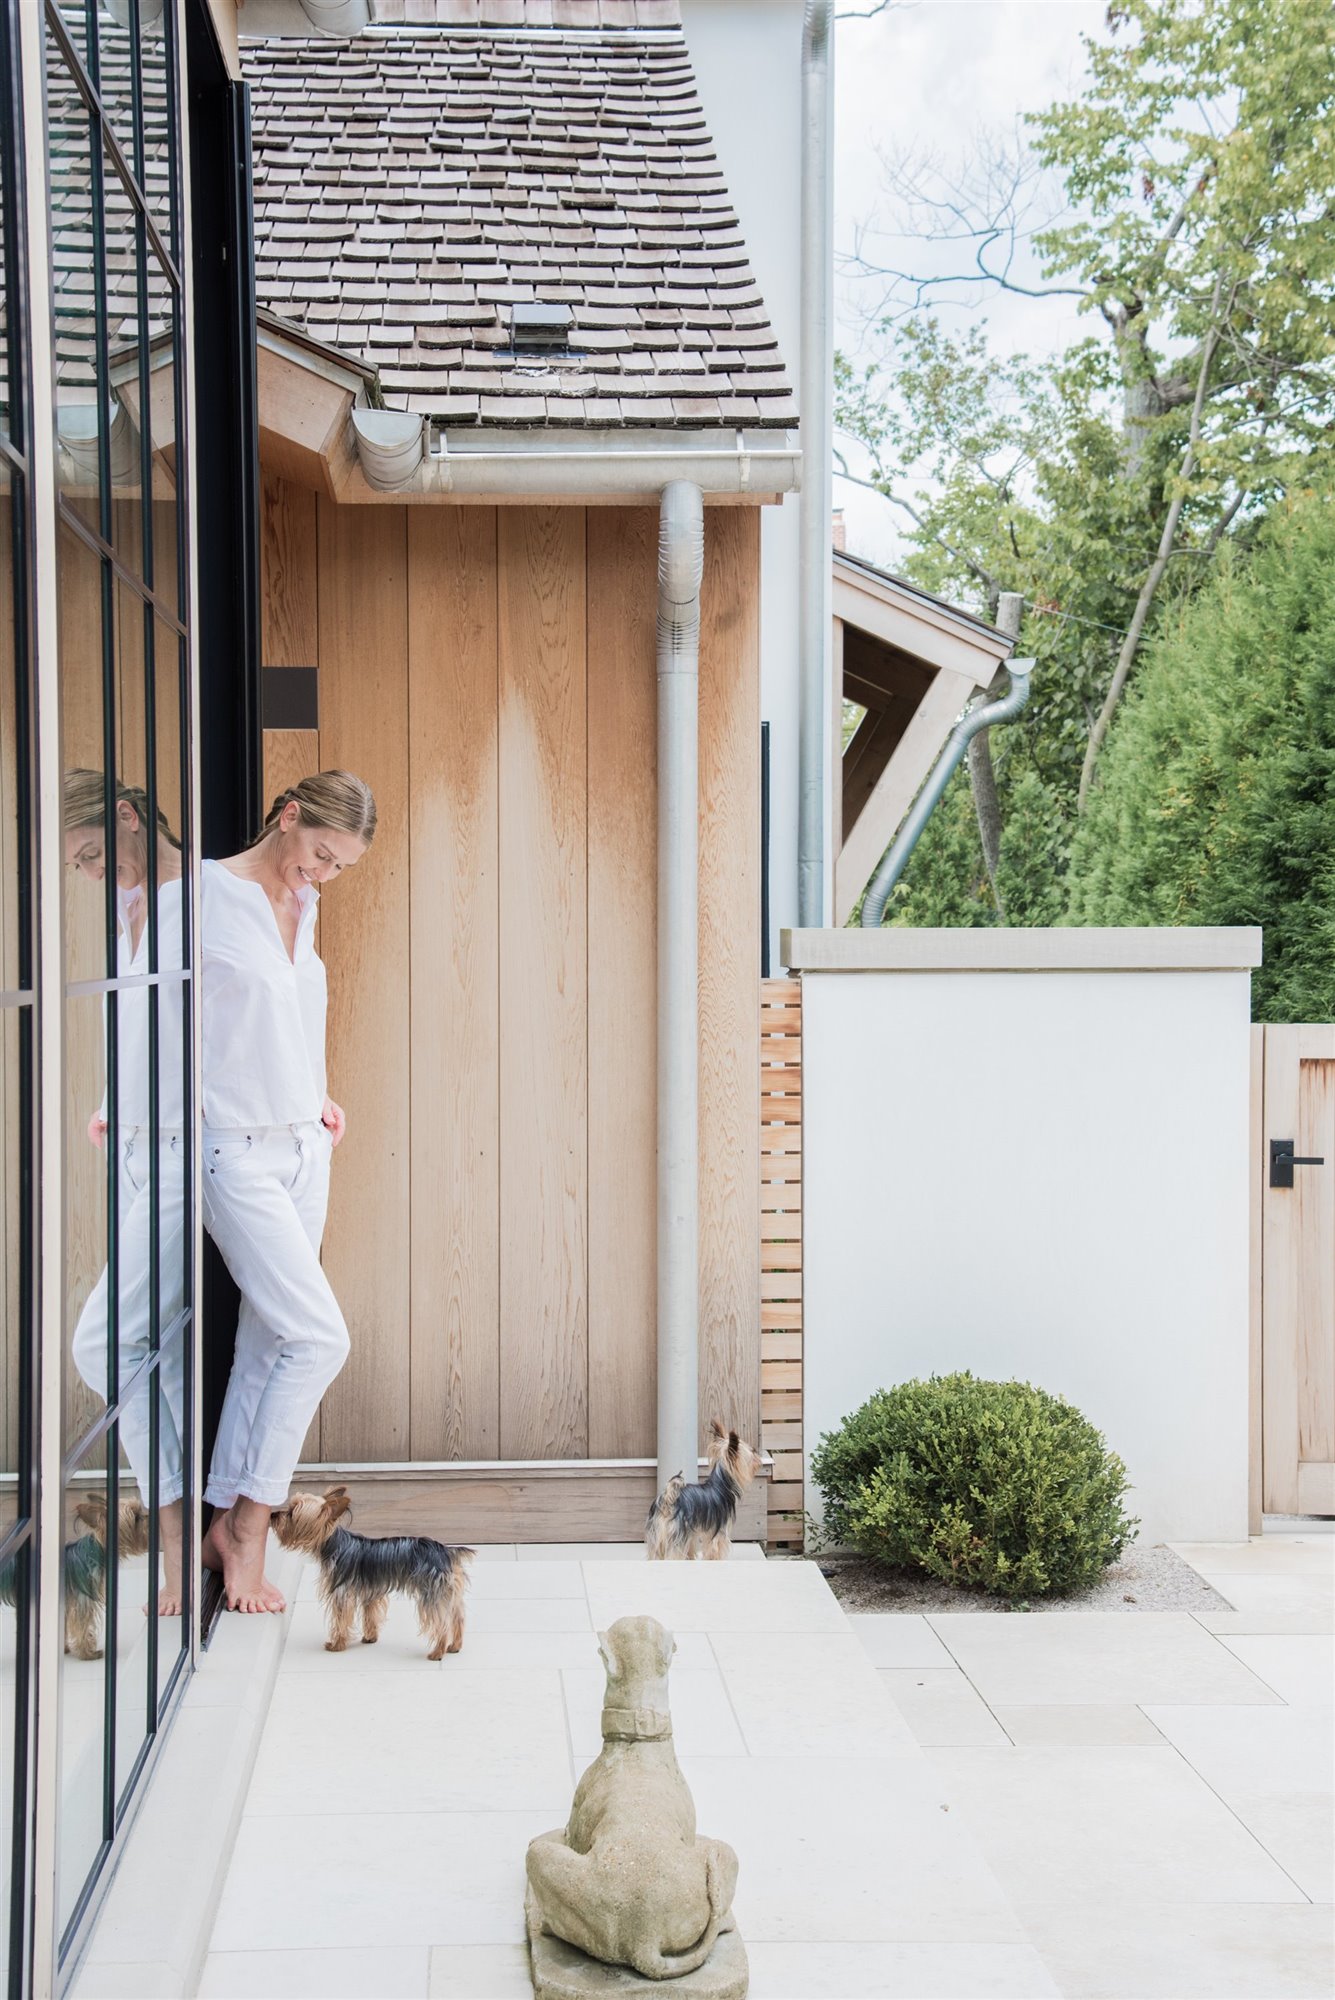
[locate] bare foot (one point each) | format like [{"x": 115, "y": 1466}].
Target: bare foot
[
  {"x": 170, "y": 1533},
  {"x": 238, "y": 1538},
  {"x": 210, "y": 1549},
  {"x": 170, "y": 1527}
]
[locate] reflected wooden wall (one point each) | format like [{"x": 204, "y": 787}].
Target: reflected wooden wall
[{"x": 490, "y": 672}]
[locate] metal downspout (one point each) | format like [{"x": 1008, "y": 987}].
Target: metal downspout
[
  {"x": 816, "y": 419},
  {"x": 896, "y": 857},
  {"x": 681, "y": 546}
]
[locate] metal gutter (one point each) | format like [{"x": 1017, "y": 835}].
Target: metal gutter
[
  {"x": 817, "y": 425},
  {"x": 622, "y": 465}
]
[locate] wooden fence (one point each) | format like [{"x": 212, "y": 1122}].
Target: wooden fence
[{"x": 781, "y": 1254}]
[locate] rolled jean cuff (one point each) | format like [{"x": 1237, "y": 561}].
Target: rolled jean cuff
[{"x": 263, "y": 1496}]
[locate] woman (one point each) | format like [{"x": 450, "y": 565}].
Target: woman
[
  {"x": 269, "y": 1130},
  {"x": 85, "y": 850}
]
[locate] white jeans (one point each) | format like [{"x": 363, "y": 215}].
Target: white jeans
[
  {"x": 134, "y": 1325},
  {"x": 265, "y": 1192}
]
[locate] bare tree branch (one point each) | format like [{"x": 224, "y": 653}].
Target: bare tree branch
[
  {"x": 994, "y": 208},
  {"x": 974, "y": 567}
]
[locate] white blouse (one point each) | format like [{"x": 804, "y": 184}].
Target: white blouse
[
  {"x": 264, "y": 1013},
  {"x": 132, "y": 1005}
]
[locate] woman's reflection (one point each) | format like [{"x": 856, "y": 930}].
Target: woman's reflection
[{"x": 85, "y": 850}]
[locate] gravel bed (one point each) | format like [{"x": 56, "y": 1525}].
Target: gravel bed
[{"x": 1149, "y": 1579}]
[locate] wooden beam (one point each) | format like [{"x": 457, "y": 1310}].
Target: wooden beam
[
  {"x": 532, "y": 1500},
  {"x": 896, "y": 788},
  {"x": 919, "y": 626},
  {"x": 303, "y": 424}
]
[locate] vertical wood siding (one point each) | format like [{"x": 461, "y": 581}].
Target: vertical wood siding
[{"x": 492, "y": 967}]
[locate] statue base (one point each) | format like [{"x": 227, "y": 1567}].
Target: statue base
[{"x": 561, "y": 1972}]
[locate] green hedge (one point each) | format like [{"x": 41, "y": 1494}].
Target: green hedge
[{"x": 1214, "y": 801}]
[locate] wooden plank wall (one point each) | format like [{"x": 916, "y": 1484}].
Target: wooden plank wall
[
  {"x": 781, "y": 1254},
  {"x": 492, "y": 967}
]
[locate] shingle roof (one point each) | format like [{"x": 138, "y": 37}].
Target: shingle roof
[
  {"x": 69, "y": 173},
  {"x": 411, "y": 186},
  {"x": 532, "y": 13}
]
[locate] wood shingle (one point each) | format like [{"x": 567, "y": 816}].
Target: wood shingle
[{"x": 413, "y": 184}]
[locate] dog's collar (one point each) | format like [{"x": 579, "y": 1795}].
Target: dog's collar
[{"x": 637, "y": 1725}]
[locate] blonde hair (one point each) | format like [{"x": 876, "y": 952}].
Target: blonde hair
[
  {"x": 333, "y": 799},
  {"x": 84, "y": 803}
]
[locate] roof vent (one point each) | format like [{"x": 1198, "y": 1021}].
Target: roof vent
[{"x": 534, "y": 325}]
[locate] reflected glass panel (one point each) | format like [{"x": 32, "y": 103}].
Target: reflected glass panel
[
  {"x": 115, "y": 72},
  {"x": 74, "y": 15},
  {"x": 10, "y": 749},
  {"x": 81, "y": 1815},
  {"x": 14, "y": 1027},
  {"x": 155, "y": 85},
  {"x": 168, "y": 752},
  {"x": 87, "y": 1171},
  {"x": 80, "y": 584},
  {"x": 161, "y": 424},
  {"x": 10, "y": 419},
  {"x": 173, "y": 1631},
  {"x": 133, "y": 1643},
  {"x": 125, "y": 344},
  {"x": 81, "y": 416},
  {"x": 14, "y": 1571}
]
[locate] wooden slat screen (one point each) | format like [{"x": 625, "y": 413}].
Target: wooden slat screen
[{"x": 781, "y": 1253}]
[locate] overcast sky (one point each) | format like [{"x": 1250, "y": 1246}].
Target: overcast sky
[{"x": 932, "y": 77}]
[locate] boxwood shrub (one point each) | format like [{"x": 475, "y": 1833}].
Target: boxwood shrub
[{"x": 992, "y": 1484}]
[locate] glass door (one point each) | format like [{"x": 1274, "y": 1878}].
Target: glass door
[{"x": 127, "y": 921}]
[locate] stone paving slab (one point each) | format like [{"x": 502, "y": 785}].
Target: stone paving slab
[
  {"x": 425, "y": 1783},
  {"x": 1162, "y": 1657},
  {"x": 1145, "y": 1825},
  {"x": 1106, "y": 1950}
]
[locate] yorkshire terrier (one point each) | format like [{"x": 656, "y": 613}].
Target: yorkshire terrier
[
  {"x": 358, "y": 1572},
  {"x": 85, "y": 1565},
  {"x": 688, "y": 1521}
]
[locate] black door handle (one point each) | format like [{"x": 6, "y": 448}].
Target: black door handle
[{"x": 1283, "y": 1160}]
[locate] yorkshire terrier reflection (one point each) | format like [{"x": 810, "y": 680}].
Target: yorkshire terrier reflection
[
  {"x": 358, "y": 1573},
  {"x": 690, "y": 1521},
  {"x": 86, "y": 1570}
]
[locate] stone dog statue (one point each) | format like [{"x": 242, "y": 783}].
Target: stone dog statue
[{"x": 628, "y": 1881}]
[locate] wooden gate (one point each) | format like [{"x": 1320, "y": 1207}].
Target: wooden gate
[{"x": 1293, "y": 1250}]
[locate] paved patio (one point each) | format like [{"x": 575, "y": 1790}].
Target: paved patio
[{"x": 925, "y": 1808}]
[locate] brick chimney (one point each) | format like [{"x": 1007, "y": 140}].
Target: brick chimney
[{"x": 840, "y": 534}]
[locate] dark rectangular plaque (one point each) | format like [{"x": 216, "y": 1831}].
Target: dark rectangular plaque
[{"x": 290, "y": 697}]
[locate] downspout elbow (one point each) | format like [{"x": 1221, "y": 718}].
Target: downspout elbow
[
  {"x": 896, "y": 858},
  {"x": 817, "y": 30},
  {"x": 681, "y": 563}
]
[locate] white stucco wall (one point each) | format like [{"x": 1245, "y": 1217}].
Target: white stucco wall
[
  {"x": 747, "y": 56},
  {"x": 1040, "y": 1175}
]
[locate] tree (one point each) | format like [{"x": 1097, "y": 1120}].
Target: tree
[
  {"x": 1216, "y": 803},
  {"x": 1199, "y": 173}
]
